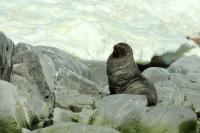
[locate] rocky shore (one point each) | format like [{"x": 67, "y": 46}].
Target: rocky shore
[{"x": 46, "y": 90}]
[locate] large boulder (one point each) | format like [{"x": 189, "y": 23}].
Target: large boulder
[
  {"x": 31, "y": 73},
  {"x": 12, "y": 114},
  {"x": 170, "y": 119},
  {"x": 49, "y": 77},
  {"x": 169, "y": 93},
  {"x": 6, "y": 52},
  {"x": 121, "y": 111},
  {"x": 156, "y": 74},
  {"x": 189, "y": 85},
  {"x": 75, "y": 128},
  {"x": 97, "y": 74},
  {"x": 187, "y": 64}
]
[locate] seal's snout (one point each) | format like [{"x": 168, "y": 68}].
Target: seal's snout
[
  {"x": 116, "y": 51},
  {"x": 119, "y": 50}
]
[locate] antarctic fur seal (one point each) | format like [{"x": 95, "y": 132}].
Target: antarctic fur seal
[{"x": 124, "y": 76}]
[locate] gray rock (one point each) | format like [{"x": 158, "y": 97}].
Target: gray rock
[
  {"x": 170, "y": 119},
  {"x": 189, "y": 85},
  {"x": 169, "y": 93},
  {"x": 180, "y": 88},
  {"x": 49, "y": 77},
  {"x": 28, "y": 90},
  {"x": 156, "y": 74},
  {"x": 121, "y": 111},
  {"x": 97, "y": 74},
  {"x": 24, "y": 130},
  {"x": 75, "y": 92},
  {"x": 85, "y": 116},
  {"x": 187, "y": 64},
  {"x": 12, "y": 115},
  {"x": 75, "y": 128},
  {"x": 62, "y": 115},
  {"x": 62, "y": 58},
  {"x": 31, "y": 78},
  {"x": 6, "y": 52}
]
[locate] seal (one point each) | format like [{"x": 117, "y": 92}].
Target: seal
[{"x": 124, "y": 76}]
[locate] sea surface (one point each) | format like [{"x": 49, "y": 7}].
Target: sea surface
[{"x": 88, "y": 29}]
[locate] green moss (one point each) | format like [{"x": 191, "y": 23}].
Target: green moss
[
  {"x": 91, "y": 120},
  {"x": 75, "y": 119},
  {"x": 132, "y": 127},
  {"x": 189, "y": 126},
  {"x": 8, "y": 128}
]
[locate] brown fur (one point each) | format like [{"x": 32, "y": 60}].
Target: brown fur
[{"x": 125, "y": 77}]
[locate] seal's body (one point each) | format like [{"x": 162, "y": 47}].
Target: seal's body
[{"x": 125, "y": 77}]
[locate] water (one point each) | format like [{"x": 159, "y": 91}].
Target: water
[{"x": 88, "y": 29}]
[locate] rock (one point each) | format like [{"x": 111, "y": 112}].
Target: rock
[
  {"x": 48, "y": 78},
  {"x": 6, "y": 52},
  {"x": 75, "y": 128},
  {"x": 12, "y": 115},
  {"x": 31, "y": 78},
  {"x": 28, "y": 90},
  {"x": 75, "y": 92},
  {"x": 170, "y": 119},
  {"x": 181, "y": 85},
  {"x": 156, "y": 74},
  {"x": 97, "y": 71},
  {"x": 169, "y": 93},
  {"x": 182, "y": 90},
  {"x": 85, "y": 116},
  {"x": 188, "y": 64},
  {"x": 189, "y": 85},
  {"x": 121, "y": 111},
  {"x": 24, "y": 130},
  {"x": 61, "y": 115}
]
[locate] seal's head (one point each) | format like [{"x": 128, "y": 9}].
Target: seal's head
[{"x": 122, "y": 50}]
